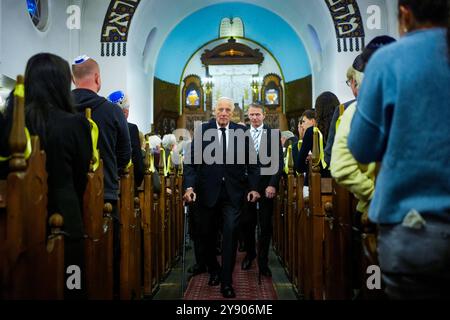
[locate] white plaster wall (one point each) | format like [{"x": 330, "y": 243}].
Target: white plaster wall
[
  {"x": 132, "y": 75},
  {"x": 339, "y": 62},
  {"x": 113, "y": 70},
  {"x": 21, "y": 40}
]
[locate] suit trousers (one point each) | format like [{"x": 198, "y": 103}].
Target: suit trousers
[
  {"x": 248, "y": 225},
  {"x": 209, "y": 219}
]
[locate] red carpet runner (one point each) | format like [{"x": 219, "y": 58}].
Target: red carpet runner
[{"x": 245, "y": 284}]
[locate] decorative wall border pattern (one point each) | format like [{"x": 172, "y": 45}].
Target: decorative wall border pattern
[
  {"x": 348, "y": 24},
  {"x": 116, "y": 26}
]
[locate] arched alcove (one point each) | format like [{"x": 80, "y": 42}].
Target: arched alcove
[
  {"x": 146, "y": 54},
  {"x": 316, "y": 45}
]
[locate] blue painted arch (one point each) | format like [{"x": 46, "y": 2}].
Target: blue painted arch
[{"x": 260, "y": 25}]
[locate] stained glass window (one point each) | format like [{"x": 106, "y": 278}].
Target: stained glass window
[
  {"x": 38, "y": 11},
  {"x": 192, "y": 98},
  {"x": 272, "y": 97}
]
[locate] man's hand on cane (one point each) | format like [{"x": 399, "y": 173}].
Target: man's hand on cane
[
  {"x": 270, "y": 192},
  {"x": 189, "y": 196},
  {"x": 253, "y": 196}
]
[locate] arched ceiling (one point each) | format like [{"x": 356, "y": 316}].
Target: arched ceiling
[{"x": 260, "y": 25}]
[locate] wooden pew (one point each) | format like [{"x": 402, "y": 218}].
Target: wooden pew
[
  {"x": 98, "y": 245},
  {"x": 290, "y": 219},
  {"x": 170, "y": 216},
  {"x": 179, "y": 210},
  {"x": 300, "y": 235},
  {"x": 338, "y": 245},
  {"x": 298, "y": 208},
  {"x": 162, "y": 256},
  {"x": 130, "y": 287},
  {"x": 149, "y": 244},
  {"x": 369, "y": 256},
  {"x": 319, "y": 195},
  {"x": 32, "y": 257}
]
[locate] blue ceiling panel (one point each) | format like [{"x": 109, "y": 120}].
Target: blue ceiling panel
[{"x": 260, "y": 25}]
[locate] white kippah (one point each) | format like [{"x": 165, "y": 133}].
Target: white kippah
[{"x": 80, "y": 59}]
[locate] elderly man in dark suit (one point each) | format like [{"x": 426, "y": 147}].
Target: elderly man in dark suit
[
  {"x": 219, "y": 173},
  {"x": 121, "y": 99},
  {"x": 267, "y": 145}
]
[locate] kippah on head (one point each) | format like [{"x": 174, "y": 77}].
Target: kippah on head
[
  {"x": 80, "y": 59},
  {"x": 361, "y": 60},
  {"x": 119, "y": 98},
  {"x": 358, "y": 63},
  {"x": 379, "y": 41}
]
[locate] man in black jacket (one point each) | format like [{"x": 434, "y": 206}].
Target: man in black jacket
[
  {"x": 114, "y": 138},
  {"x": 270, "y": 154},
  {"x": 213, "y": 173},
  {"x": 121, "y": 99}
]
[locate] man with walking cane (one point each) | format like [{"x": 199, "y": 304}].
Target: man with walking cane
[
  {"x": 269, "y": 151},
  {"x": 213, "y": 173}
]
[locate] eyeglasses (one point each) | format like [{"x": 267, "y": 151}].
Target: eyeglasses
[{"x": 349, "y": 82}]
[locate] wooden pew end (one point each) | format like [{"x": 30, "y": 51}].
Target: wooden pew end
[{"x": 56, "y": 222}]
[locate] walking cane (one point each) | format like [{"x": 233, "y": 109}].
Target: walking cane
[
  {"x": 258, "y": 226},
  {"x": 183, "y": 276},
  {"x": 185, "y": 232}
]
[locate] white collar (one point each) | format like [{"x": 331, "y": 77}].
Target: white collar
[
  {"x": 259, "y": 128},
  {"x": 226, "y": 128}
]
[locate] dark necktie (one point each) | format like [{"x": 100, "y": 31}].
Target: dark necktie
[{"x": 223, "y": 141}]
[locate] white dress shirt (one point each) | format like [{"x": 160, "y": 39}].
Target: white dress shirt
[
  {"x": 227, "y": 132},
  {"x": 259, "y": 135}
]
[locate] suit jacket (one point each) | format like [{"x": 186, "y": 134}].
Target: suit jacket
[
  {"x": 269, "y": 180},
  {"x": 207, "y": 179},
  {"x": 136, "y": 154}
]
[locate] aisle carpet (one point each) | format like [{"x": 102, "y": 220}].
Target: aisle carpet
[{"x": 245, "y": 284}]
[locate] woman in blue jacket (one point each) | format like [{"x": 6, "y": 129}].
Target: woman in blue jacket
[{"x": 405, "y": 89}]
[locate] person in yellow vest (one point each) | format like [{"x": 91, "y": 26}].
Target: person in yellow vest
[
  {"x": 324, "y": 107},
  {"x": 169, "y": 143},
  {"x": 289, "y": 139},
  {"x": 65, "y": 136},
  {"x": 358, "y": 178},
  {"x": 405, "y": 89}
]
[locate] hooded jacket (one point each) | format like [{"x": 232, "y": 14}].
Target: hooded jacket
[{"x": 114, "y": 138}]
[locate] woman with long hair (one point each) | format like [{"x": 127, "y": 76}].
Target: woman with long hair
[
  {"x": 65, "y": 137},
  {"x": 324, "y": 108},
  {"x": 406, "y": 88}
]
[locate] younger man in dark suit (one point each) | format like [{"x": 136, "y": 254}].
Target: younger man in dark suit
[{"x": 267, "y": 145}]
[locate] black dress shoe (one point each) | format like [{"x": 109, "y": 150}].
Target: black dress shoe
[
  {"x": 227, "y": 291},
  {"x": 265, "y": 271},
  {"x": 246, "y": 263},
  {"x": 214, "y": 279},
  {"x": 197, "y": 269}
]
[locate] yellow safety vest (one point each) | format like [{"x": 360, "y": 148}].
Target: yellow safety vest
[
  {"x": 321, "y": 153},
  {"x": 94, "y": 138},
  {"x": 19, "y": 91},
  {"x": 286, "y": 160},
  {"x": 341, "y": 112}
]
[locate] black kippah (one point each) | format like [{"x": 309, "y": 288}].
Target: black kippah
[{"x": 361, "y": 60}]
